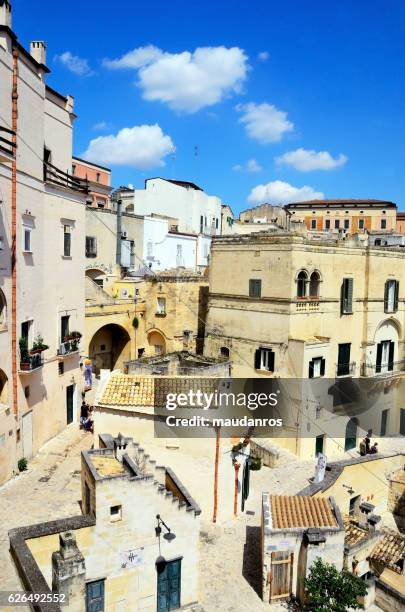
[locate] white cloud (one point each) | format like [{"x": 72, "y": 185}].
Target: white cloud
[
  {"x": 263, "y": 56},
  {"x": 264, "y": 122},
  {"x": 186, "y": 81},
  {"x": 142, "y": 146},
  {"x": 101, "y": 125},
  {"x": 135, "y": 58},
  {"x": 74, "y": 63},
  {"x": 251, "y": 166},
  {"x": 279, "y": 192},
  {"x": 306, "y": 160}
]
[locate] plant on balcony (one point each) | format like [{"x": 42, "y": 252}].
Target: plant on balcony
[
  {"x": 38, "y": 345},
  {"x": 74, "y": 335},
  {"x": 255, "y": 463},
  {"x": 135, "y": 322},
  {"x": 22, "y": 464},
  {"x": 24, "y": 353}
]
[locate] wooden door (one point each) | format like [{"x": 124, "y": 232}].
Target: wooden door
[{"x": 281, "y": 575}]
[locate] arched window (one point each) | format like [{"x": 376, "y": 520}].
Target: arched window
[
  {"x": 3, "y": 309},
  {"x": 302, "y": 280},
  {"x": 314, "y": 284},
  {"x": 224, "y": 350},
  {"x": 351, "y": 434}
]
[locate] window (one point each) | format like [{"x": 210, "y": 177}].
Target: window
[
  {"x": 1, "y": 243},
  {"x": 316, "y": 367},
  {"x": 101, "y": 203},
  {"x": 385, "y": 356},
  {"x": 384, "y": 422},
  {"x": 97, "y": 177},
  {"x": 116, "y": 513},
  {"x": 361, "y": 224},
  {"x": 327, "y": 224},
  {"x": 149, "y": 250},
  {"x": 354, "y": 504},
  {"x": 95, "y": 596},
  {"x": 313, "y": 224},
  {"x": 201, "y": 224},
  {"x": 391, "y": 291},
  {"x": 27, "y": 240},
  {"x": 346, "y": 301},
  {"x": 255, "y": 288},
  {"x": 91, "y": 246},
  {"x": 61, "y": 368},
  {"x": 383, "y": 223},
  {"x": 346, "y": 223},
  {"x": 158, "y": 349},
  {"x": 27, "y": 391},
  {"x": 161, "y": 306},
  {"x": 224, "y": 351},
  {"x": 26, "y": 331},
  {"x": 140, "y": 352},
  {"x": 64, "y": 327},
  {"x": 179, "y": 255},
  {"x": 302, "y": 279},
  {"x": 264, "y": 359},
  {"x": 337, "y": 223},
  {"x": 216, "y": 223},
  {"x": 343, "y": 365},
  {"x": 67, "y": 240},
  {"x": 314, "y": 284},
  {"x": 73, "y": 169},
  {"x": 319, "y": 444},
  {"x": 377, "y": 242}
]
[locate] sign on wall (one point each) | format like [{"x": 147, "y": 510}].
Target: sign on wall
[{"x": 132, "y": 557}]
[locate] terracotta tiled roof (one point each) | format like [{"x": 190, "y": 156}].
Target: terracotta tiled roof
[
  {"x": 353, "y": 533},
  {"x": 390, "y": 551},
  {"x": 289, "y": 512},
  {"x": 126, "y": 390}
]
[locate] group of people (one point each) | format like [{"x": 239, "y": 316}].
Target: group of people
[
  {"x": 365, "y": 445},
  {"x": 86, "y": 417}
]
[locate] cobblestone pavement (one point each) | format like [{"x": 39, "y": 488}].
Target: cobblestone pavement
[{"x": 49, "y": 489}]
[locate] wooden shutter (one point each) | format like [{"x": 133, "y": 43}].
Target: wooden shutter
[
  {"x": 258, "y": 357},
  {"x": 322, "y": 367},
  {"x": 396, "y": 295},
  {"x": 271, "y": 361},
  {"x": 386, "y": 292},
  {"x": 391, "y": 356},
  {"x": 311, "y": 369},
  {"x": 379, "y": 358},
  {"x": 346, "y": 305}
]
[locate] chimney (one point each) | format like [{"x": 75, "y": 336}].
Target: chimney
[
  {"x": 38, "y": 51},
  {"x": 5, "y": 13}
]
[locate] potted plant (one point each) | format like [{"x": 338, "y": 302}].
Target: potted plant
[
  {"x": 255, "y": 463},
  {"x": 38, "y": 345},
  {"x": 24, "y": 353}
]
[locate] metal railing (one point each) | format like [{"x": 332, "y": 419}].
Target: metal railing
[
  {"x": 68, "y": 347},
  {"x": 6, "y": 144},
  {"x": 384, "y": 369},
  {"x": 55, "y": 176},
  {"x": 345, "y": 369},
  {"x": 31, "y": 362}
]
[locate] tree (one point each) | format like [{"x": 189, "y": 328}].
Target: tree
[{"x": 329, "y": 590}]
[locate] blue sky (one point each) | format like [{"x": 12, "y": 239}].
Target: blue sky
[{"x": 281, "y": 96}]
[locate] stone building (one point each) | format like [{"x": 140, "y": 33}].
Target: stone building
[
  {"x": 345, "y": 216},
  {"x": 296, "y": 530},
  {"x": 387, "y": 561},
  {"x": 285, "y": 306},
  {"x": 41, "y": 253},
  {"x": 396, "y": 497},
  {"x": 135, "y": 546},
  {"x": 98, "y": 179}
]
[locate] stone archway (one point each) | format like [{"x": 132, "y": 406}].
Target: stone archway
[
  {"x": 157, "y": 342},
  {"x": 96, "y": 276},
  {"x": 351, "y": 434},
  {"x": 109, "y": 348},
  {"x": 3, "y": 388}
]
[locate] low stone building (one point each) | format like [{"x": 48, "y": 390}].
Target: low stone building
[
  {"x": 135, "y": 547},
  {"x": 295, "y": 531},
  {"x": 396, "y": 498},
  {"x": 387, "y": 561}
]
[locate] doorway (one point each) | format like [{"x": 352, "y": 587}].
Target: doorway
[
  {"x": 70, "y": 394},
  {"x": 95, "y": 596},
  {"x": 27, "y": 435},
  {"x": 402, "y": 422},
  {"x": 169, "y": 586}
]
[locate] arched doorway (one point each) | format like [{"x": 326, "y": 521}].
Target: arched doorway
[
  {"x": 97, "y": 276},
  {"x": 157, "y": 343},
  {"x": 3, "y": 388},
  {"x": 109, "y": 348},
  {"x": 351, "y": 434}
]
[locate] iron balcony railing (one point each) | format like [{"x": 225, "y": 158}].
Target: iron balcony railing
[
  {"x": 384, "y": 369},
  {"x": 6, "y": 143},
  {"x": 55, "y": 176},
  {"x": 345, "y": 369},
  {"x": 68, "y": 347},
  {"x": 31, "y": 362}
]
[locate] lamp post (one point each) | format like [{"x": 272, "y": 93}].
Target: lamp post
[{"x": 235, "y": 499}]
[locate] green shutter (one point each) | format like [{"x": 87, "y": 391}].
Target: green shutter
[{"x": 396, "y": 295}]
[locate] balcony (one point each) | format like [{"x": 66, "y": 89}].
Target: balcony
[
  {"x": 55, "y": 176},
  {"x": 7, "y": 147},
  {"x": 394, "y": 368},
  {"x": 68, "y": 347},
  {"x": 346, "y": 369},
  {"x": 31, "y": 362},
  {"x": 307, "y": 305}
]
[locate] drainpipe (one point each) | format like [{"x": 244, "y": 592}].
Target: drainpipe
[
  {"x": 214, "y": 516},
  {"x": 235, "y": 499},
  {"x": 119, "y": 233},
  {"x": 14, "y": 112}
]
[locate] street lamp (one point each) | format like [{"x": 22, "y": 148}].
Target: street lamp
[{"x": 169, "y": 536}]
